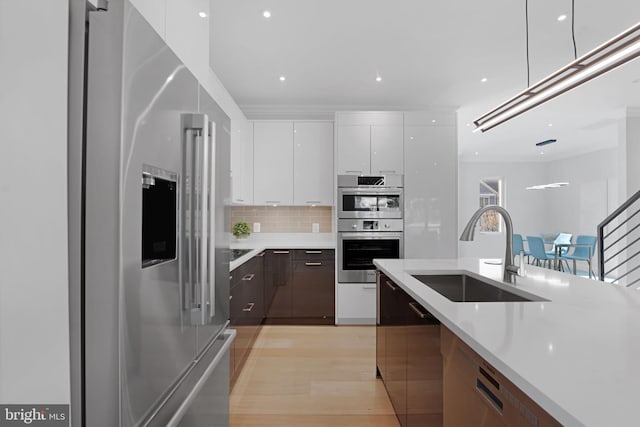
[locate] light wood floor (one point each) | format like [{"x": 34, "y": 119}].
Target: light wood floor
[{"x": 312, "y": 376}]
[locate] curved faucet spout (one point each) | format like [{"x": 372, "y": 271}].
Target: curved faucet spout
[{"x": 467, "y": 235}]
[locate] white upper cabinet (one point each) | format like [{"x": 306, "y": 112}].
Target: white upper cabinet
[
  {"x": 241, "y": 162},
  {"x": 369, "y": 142},
  {"x": 187, "y": 33},
  {"x": 313, "y": 163},
  {"x": 273, "y": 163},
  {"x": 354, "y": 146},
  {"x": 154, "y": 12},
  {"x": 387, "y": 153},
  {"x": 184, "y": 26}
]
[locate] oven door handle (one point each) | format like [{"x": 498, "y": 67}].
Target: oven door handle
[
  {"x": 370, "y": 191},
  {"x": 371, "y": 235}
]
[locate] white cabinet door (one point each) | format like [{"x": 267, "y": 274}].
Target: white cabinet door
[
  {"x": 356, "y": 304},
  {"x": 387, "y": 154},
  {"x": 154, "y": 12},
  {"x": 431, "y": 192},
  {"x": 273, "y": 163},
  {"x": 353, "y": 149},
  {"x": 187, "y": 33},
  {"x": 313, "y": 163},
  {"x": 241, "y": 162}
]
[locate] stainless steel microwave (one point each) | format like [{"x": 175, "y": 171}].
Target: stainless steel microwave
[{"x": 370, "y": 196}]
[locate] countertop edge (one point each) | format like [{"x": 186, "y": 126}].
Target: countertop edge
[{"x": 256, "y": 249}]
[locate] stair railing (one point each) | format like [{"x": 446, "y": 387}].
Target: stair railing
[{"x": 618, "y": 244}]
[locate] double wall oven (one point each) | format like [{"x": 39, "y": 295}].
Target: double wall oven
[{"x": 370, "y": 224}]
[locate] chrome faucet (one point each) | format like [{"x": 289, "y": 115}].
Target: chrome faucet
[{"x": 510, "y": 270}]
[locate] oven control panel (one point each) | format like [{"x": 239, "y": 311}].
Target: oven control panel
[{"x": 370, "y": 225}]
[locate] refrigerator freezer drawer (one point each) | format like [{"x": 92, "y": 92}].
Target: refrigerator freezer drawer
[{"x": 202, "y": 398}]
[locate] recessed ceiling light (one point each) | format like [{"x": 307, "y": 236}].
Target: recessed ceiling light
[
  {"x": 433, "y": 121},
  {"x": 282, "y": 78},
  {"x": 483, "y": 80},
  {"x": 266, "y": 14},
  {"x": 410, "y": 137},
  {"x": 562, "y": 17},
  {"x": 202, "y": 15},
  {"x": 477, "y": 153},
  {"x": 542, "y": 153},
  {"x": 550, "y": 124},
  {"x": 378, "y": 79},
  {"x": 468, "y": 124}
]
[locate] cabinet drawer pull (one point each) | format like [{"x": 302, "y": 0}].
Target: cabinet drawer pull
[
  {"x": 368, "y": 287},
  {"x": 353, "y": 171},
  {"x": 420, "y": 313},
  {"x": 491, "y": 397},
  {"x": 261, "y": 253},
  {"x": 271, "y": 202},
  {"x": 230, "y": 297},
  {"x": 313, "y": 263},
  {"x": 312, "y": 252},
  {"x": 313, "y": 202},
  {"x": 239, "y": 200},
  {"x": 248, "y": 276},
  {"x": 388, "y": 171},
  {"x": 280, "y": 252},
  {"x": 249, "y": 306},
  {"x": 390, "y": 285}
]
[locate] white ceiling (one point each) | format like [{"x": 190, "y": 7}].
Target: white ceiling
[{"x": 430, "y": 55}]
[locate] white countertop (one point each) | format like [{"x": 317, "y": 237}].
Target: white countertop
[
  {"x": 577, "y": 355},
  {"x": 258, "y": 242}
]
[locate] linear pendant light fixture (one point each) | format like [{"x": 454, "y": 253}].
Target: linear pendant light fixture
[
  {"x": 545, "y": 186},
  {"x": 615, "y": 52}
]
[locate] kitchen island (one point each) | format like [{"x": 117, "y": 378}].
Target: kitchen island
[{"x": 576, "y": 354}]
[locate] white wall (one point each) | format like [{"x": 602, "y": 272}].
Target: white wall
[
  {"x": 581, "y": 206},
  {"x": 632, "y": 143},
  {"x": 527, "y": 208},
  {"x": 34, "y": 316}
]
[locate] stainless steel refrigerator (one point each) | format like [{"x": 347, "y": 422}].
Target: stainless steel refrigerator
[{"x": 154, "y": 305}]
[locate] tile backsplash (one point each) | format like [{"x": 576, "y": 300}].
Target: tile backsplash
[{"x": 284, "y": 219}]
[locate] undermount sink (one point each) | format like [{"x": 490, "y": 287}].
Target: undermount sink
[{"x": 465, "y": 288}]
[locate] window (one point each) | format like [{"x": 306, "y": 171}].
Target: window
[{"x": 490, "y": 194}]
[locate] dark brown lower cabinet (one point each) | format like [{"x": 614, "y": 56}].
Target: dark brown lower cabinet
[
  {"x": 246, "y": 310},
  {"x": 314, "y": 286},
  {"x": 476, "y": 394},
  {"x": 278, "y": 286},
  {"x": 302, "y": 283},
  {"x": 408, "y": 356}
]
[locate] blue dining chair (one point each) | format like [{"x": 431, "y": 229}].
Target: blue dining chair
[
  {"x": 518, "y": 247},
  {"x": 583, "y": 251},
  {"x": 537, "y": 251},
  {"x": 562, "y": 238}
]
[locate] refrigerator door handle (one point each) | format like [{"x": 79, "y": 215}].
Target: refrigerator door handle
[
  {"x": 186, "y": 222},
  {"x": 228, "y": 335},
  {"x": 211, "y": 269},
  {"x": 197, "y": 180}
]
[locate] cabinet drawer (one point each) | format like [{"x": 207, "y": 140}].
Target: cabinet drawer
[
  {"x": 313, "y": 254},
  {"x": 356, "y": 304},
  {"x": 314, "y": 289}
]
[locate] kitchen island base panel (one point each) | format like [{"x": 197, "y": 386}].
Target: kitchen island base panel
[{"x": 476, "y": 394}]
